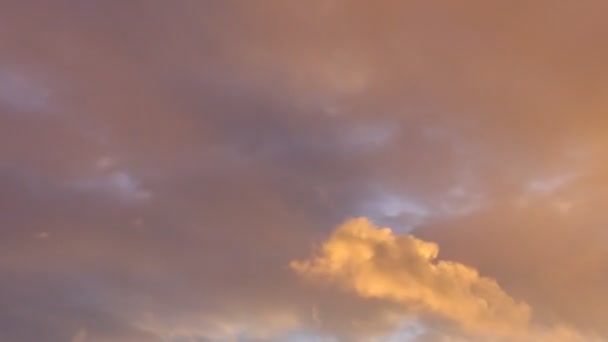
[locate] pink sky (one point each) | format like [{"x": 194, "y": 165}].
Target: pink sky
[{"x": 321, "y": 170}]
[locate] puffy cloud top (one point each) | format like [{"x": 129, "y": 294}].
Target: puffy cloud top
[{"x": 375, "y": 263}]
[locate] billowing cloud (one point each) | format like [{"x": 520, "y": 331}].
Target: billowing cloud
[
  {"x": 373, "y": 262},
  {"x": 554, "y": 260}
]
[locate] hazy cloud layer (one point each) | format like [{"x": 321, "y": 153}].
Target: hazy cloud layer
[{"x": 162, "y": 163}]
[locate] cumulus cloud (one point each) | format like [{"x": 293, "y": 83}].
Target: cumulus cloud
[
  {"x": 373, "y": 262},
  {"x": 560, "y": 263}
]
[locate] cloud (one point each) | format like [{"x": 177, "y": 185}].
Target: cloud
[
  {"x": 556, "y": 262},
  {"x": 452, "y": 300},
  {"x": 374, "y": 263},
  {"x": 196, "y": 147}
]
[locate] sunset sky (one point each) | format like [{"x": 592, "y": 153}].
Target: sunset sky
[{"x": 303, "y": 171}]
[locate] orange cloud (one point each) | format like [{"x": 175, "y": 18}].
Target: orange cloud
[{"x": 374, "y": 262}]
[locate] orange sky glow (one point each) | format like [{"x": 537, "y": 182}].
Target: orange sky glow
[{"x": 306, "y": 171}]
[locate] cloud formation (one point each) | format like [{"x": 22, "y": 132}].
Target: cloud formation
[
  {"x": 373, "y": 262},
  {"x": 162, "y": 162}
]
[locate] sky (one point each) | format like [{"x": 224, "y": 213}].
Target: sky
[{"x": 306, "y": 171}]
